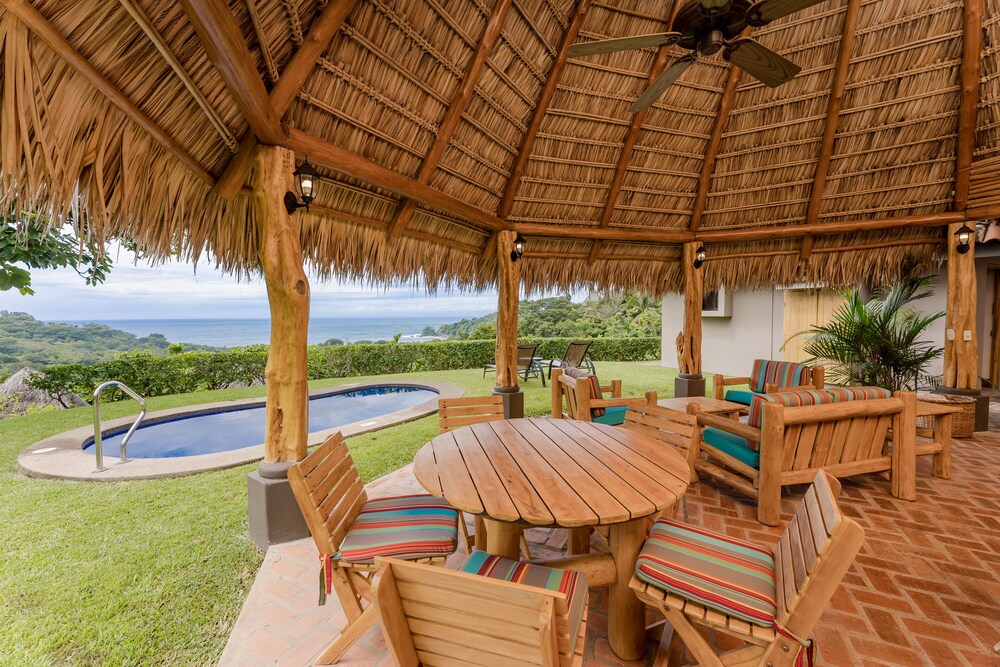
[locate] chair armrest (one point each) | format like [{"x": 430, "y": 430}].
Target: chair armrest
[
  {"x": 726, "y": 382},
  {"x": 772, "y": 388},
  {"x": 730, "y": 426},
  {"x": 615, "y": 388},
  {"x": 611, "y": 402}
]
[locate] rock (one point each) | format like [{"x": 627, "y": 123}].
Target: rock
[{"x": 17, "y": 397}]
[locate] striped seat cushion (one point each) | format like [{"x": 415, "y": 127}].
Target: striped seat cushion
[
  {"x": 407, "y": 527},
  {"x": 595, "y": 387},
  {"x": 781, "y": 373},
  {"x": 725, "y": 574},
  {"x": 573, "y": 584}
]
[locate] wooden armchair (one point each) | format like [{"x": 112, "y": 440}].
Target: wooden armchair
[
  {"x": 477, "y": 617},
  {"x": 675, "y": 429},
  {"x": 583, "y": 397},
  {"x": 768, "y": 377},
  {"x": 791, "y": 436},
  {"x": 801, "y": 574},
  {"x": 454, "y": 413},
  {"x": 332, "y": 497}
]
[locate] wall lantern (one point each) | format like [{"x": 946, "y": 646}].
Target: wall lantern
[
  {"x": 305, "y": 180},
  {"x": 699, "y": 256},
  {"x": 518, "y": 250},
  {"x": 964, "y": 237}
]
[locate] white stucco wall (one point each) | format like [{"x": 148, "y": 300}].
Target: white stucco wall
[{"x": 729, "y": 345}]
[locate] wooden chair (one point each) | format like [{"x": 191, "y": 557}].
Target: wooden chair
[
  {"x": 845, "y": 438},
  {"x": 578, "y": 397},
  {"x": 331, "y": 495},
  {"x": 809, "y": 563},
  {"x": 438, "y": 617},
  {"x": 528, "y": 366},
  {"x": 576, "y": 356},
  {"x": 768, "y": 377},
  {"x": 675, "y": 429},
  {"x": 456, "y": 412}
]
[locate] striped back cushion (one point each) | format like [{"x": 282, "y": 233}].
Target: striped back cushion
[
  {"x": 726, "y": 574},
  {"x": 781, "y": 373},
  {"x": 841, "y": 394},
  {"x": 595, "y": 386}
]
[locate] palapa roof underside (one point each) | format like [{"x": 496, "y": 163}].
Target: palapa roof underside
[{"x": 435, "y": 123}]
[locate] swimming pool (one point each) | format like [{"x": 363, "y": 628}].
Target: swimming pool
[{"x": 225, "y": 430}]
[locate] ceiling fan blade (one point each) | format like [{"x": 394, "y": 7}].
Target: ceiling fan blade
[
  {"x": 756, "y": 59},
  {"x": 763, "y": 12},
  {"x": 664, "y": 81},
  {"x": 623, "y": 43}
]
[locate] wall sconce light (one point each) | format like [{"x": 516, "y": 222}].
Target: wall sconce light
[
  {"x": 699, "y": 256},
  {"x": 964, "y": 237},
  {"x": 305, "y": 180},
  {"x": 518, "y": 250}
]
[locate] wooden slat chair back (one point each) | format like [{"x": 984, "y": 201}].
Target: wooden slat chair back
[
  {"x": 811, "y": 559},
  {"x": 330, "y": 493},
  {"x": 795, "y": 443},
  {"x": 456, "y": 412},
  {"x": 444, "y": 618},
  {"x": 676, "y": 429},
  {"x": 572, "y": 398},
  {"x": 815, "y": 379}
]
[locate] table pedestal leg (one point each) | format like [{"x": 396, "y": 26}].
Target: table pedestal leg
[
  {"x": 481, "y": 542},
  {"x": 503, "y": 539},
  {"x": 579, "y": 541},
  {"x": 626, "y": 614}
]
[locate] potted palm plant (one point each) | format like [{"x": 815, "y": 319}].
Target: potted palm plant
[{"x": 879, "y": 341}]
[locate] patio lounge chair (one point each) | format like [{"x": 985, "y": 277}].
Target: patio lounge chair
[
  {"x": 351, "y": 531},
  {"x": 492, "y": 612},
  {"x": 768, "y": 377},
  {"x": 770, "y": 599},
  {"x": 465, "y": 411},
  {"x": 576, "y": 356},
  {"x": 527, "y": 365},
  {"x": 790, "y": 436},
  {"x": 583, "y": 397}
]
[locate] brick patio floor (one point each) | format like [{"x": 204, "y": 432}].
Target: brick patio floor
[{"x": 924, "y": 591}]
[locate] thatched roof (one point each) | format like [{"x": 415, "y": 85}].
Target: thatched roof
[{"x": 432, "y": 132}]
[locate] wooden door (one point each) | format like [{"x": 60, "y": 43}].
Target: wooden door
[
  {"x": 805, "y": 308},
  {"x": 994, "y": 338}
]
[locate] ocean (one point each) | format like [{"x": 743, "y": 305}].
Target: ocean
[{"x": 236, "y": 332}]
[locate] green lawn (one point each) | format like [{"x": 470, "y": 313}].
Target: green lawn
[{"x": 155, "y": 572}]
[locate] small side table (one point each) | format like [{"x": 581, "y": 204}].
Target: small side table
[
  {"x": 708, "y": 406},
  {"x": 936, "y": 441}
]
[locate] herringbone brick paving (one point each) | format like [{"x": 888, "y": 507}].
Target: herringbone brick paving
[{"x": 924, "y": 591}]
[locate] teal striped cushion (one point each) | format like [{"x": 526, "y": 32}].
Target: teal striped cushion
[
  {"x": 781, "y": 373},
  {"x": 729, "y": 575},
  {"x": 407, "y": 527},
  {"x": 737, "y": 447},
  {"x": 612, "y": 416},
  {"x": 573, "y": 584}
]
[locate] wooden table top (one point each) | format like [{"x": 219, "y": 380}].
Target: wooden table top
[
  {"x": 927, "y": 408},
  {"x": 552, "y": 472},
  {"x": 707, "y": 405}
]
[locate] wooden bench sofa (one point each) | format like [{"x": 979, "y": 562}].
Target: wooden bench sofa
[
  {"x": 767, "y": 377},
  {"x": 790, "y": 436}
]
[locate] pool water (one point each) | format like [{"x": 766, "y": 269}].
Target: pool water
[{"x": 235, "y": 428}]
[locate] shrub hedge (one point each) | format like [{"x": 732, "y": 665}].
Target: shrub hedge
[{"x": 152, "y": 375}]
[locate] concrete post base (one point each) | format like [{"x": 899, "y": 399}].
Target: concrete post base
[
  {"x": 513, "y": 401},
  {"x": 274, "y": 514},
  {"x": 689, "y": 385},
  {"x": 982, "y": 404}
]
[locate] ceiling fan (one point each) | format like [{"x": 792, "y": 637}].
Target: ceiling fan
[{"x": 706, "y": 27}]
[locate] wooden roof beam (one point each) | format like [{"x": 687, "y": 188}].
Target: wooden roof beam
[
  {"x": 541, "y": 108},
  {"x": 223, "y": 42},
  {"x": 39, "y": 25},
  {"x": 832, "y": 123},
  {"x": 349, "y": 163},
  {"x": 972, "y": 54},
  {"x": 712, "y": 150},
  {"x": 455, "y": 110},
  {"x": 321, "y": 33}
]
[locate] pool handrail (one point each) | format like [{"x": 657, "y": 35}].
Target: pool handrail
[{"x": 97, "y": 421}]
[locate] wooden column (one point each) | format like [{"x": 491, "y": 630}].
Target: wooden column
[
  {"x": 961, "y": 356},
  {"x": 691, "y": 382},
  {"x": 278, "y": 234},
  {"x": 509, "y": 286}
]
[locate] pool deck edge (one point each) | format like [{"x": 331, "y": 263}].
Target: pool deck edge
[{"x": 61, "y": 456}]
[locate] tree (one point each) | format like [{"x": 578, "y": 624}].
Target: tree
[
  {"x": 25, "y": 242},
  {"x": 428, "y": 331}
]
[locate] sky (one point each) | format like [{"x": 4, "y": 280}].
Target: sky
[{"x": 178, "y": 290}]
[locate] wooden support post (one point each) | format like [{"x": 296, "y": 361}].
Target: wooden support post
[
  {"x": 961, "y": 347},
  {"x": 904, "y": 442},
  {"x": 690, "y": 381},
  {"x": 509, "y": 287},
  {"x": 286, "y": 433}
]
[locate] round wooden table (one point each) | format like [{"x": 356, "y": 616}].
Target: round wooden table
[{"x": 566, "y": 473}]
